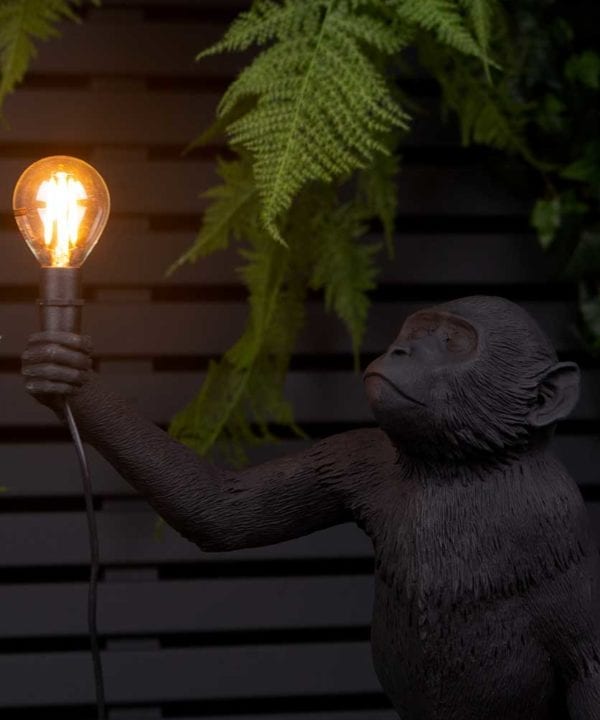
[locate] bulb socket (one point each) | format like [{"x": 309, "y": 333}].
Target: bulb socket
[{"x": 60, "y": 300}]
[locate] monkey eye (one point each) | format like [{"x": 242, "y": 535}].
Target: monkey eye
[{"x": 459, "y": 340}]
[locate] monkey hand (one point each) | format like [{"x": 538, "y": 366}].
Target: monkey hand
[{"x": 56, "y": 365}]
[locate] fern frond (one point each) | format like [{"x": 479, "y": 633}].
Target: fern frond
[
  {"x": 444, "y": 20},
  {"x": 322, "y": 106},
  {"x": 345, "y": 269},
  {"x": 227, "y": 216},
  {"x": 480, "y": 14},
  {"x": 22, "y": 23},
  {"x": 242, "y": 394},
  {"x": 265, "y": 21},
  {"x": 378, "y": 193},
  {"x": 487, "y": 113}
]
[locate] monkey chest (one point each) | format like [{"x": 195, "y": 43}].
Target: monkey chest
[{"x": 444, "y": 623}]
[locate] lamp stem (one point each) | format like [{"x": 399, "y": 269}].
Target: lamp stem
[{"x": 60, "y": 300}]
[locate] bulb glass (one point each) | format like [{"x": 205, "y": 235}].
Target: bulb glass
[{"x": 61, "y": 205}]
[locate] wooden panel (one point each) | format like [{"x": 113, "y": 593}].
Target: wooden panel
[
  {"x": 173, "y": 186},
  {"x": 130, "y": 254},
  {"x": 143, "y": 329},
  {"x": 316, "y": 397},
  {"x": 367, "y": 714},
  {"x": 118, "y": 44},
  {"x": 150, "y": 608},
  {"x": 21, "y": 465},
  {"x": 190, "y": 674},
  {"x": 130, "y": 114},
  {"x": 57, "y": 538},
  {"x": 43, "y": 539},
  {"x": 125, "y": 111}
]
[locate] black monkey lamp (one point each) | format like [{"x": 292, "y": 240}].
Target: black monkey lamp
[{"x": 486, "y": 569}]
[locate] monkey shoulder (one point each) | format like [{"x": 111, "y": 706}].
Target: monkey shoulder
[
  {"x": 361, "y": 462},
  {"x": 365, "y": 450}
]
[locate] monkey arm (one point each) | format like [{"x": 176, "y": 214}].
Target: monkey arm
[{"x": 222, "y": 509}]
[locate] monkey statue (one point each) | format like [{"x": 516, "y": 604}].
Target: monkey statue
[{"x": 486, "y": 571}]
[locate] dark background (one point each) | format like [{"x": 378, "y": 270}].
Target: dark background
[{"x": 280, "y": 632}]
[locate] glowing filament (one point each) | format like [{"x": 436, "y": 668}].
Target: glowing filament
[{"x": 61, "y": 213}]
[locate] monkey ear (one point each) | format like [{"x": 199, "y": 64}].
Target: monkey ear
[{"x": 558, "y": 392}]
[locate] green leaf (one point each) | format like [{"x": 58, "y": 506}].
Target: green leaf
[
  {"x": 346, "y": 270},
  {"x": 227, "y": 216},
  {"x": 585, "y": 260},
  {"x": 480, "y": 15},
  {"x": 589, "y": 306},
  {"x": 22, "y": 23},
  {"x": 242, "y": 394},
  {"x": 378, "y": 192},
  {"x": 444, "y": 20},
  {"x": 322, "y": 106},
  {"x": 487, "y": 113},
  {"x": 584, "y": 69},
  {"x": 551, "y": 114},
  {"x": 587, "y": 167},
  {"x": 546, "y": 219},
  {"x": 549, "y": 216}
]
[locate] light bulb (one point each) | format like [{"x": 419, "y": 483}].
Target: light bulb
[{"x": 61, "y": 205}]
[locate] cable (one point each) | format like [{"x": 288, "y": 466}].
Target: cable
[{"x": 94, "y": 562}]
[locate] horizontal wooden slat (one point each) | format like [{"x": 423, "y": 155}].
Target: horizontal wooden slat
[
  {"x": 21, "y": 465},
  {"x": 130, "y": 254},
  {"x": 136, "y": 48},
  {"x": 174, "y": 186},
  {"x": 316, "y": 397},
  {"x": 124, "y": 110},
  {"x": 129, "y": 115},
  {"x": 186, "y": 606},
  {"x": 145, "y": 329},
  {"x": 127, "y": 537},
  {"x": 190, "y": 674},
  {"x": 367, "y": 714}
]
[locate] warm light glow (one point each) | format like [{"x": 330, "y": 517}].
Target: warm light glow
[
  {"x": 61, "y": 205},
  {"x": 61, "y": 212}
]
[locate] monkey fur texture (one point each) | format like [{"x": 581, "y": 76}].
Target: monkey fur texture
[{"x": 486, "y": 571}]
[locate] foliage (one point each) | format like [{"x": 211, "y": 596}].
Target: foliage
[
  {"x": 321, "y": 106},
  {"x": 22, "y": 24},
  {"x": 543, "y": 108},
  {"x": 313, "y": 125},
  {"x": 242, "y": 395},
  {"x": 314, "y": 122},
  {"x": 562, "y": 89}
]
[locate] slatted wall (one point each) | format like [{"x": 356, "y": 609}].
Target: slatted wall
[{"x": 278, "y": 632}]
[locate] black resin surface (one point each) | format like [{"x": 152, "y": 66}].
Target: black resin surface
[{"x": 487, "y": 575}]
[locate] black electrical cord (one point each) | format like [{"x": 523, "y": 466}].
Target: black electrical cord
[{"x": 94, "y": 562}]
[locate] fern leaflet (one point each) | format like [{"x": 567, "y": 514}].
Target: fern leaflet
[
  {"x": 226, "y": 217},
  {"x": 345, "y": 269},
  {"x": 22, "y": 22},
  {"x": 480, "y": 15},
  {"x": 442, "y": 18}
]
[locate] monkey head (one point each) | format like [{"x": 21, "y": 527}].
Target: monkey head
[{"x": 470, "y": 378}]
